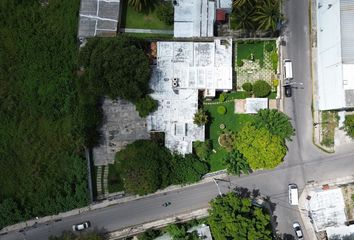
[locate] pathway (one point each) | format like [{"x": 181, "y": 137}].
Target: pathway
[{"x": 139, "y": 30}]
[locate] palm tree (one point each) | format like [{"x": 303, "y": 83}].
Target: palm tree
[
  {"x": 140, "y": 5},
  {"x": 236, "y": 163},
  {"x": 239, "y": 3},
  {"x": 200, "y": 117},
  {"x": 268, "y": 14},
  {"x": 242, "y": 18}
]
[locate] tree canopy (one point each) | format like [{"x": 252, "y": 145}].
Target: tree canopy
[
  {"x": 261, "y": 88},
  {"x": 108, "y": 65},
  {"x": 234, "y": 217},
  {"x": 262, "y": 149},
  {"x": 200, "y": 117},
  {"x": 349, "y": 125},
  {"x": 146, "y": 167},
  {"x": 277, "y": 123},
  {"x": 165, "y": 12},
  {"x": 236, "y": 163}
]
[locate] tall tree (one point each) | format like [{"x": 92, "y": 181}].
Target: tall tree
[
  {"x": 140, "y": 5},
  {"x": 261, "y": 149},
  {"x": 268, "y": 14},
  {"x": 236, "y": 163},
  {"x": 242, "y": 18},
  {"x": 200, "y": 117},
  {"x": 234, "y": 217},
  {"x": 277, "y": 123}
]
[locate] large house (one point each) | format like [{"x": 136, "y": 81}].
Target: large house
[
  {"x": 182, "y": 71},
  {"x": 335, "y": 57}
]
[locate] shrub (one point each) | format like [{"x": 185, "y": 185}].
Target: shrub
[
  {"x": 221, "y": 110},
  {"x": 146, "y": 105},
  {"x": 240, "y": 63},
  {"x": 247, "y": 86},
  {"x": 261, "y": 88},
  {"x": 222, "y": 97},
  {"x": 164, "y": 13},
  {"x": 269, "y": 47},
  {"x": 200, "y": 117},
  {"x": 227, "y": 141},
  {"x": 274, "y": 58},
  {"x": 202, "y": 149},
  {"x": 349, "y": 125},
  {"x": 275, "y": 83}
]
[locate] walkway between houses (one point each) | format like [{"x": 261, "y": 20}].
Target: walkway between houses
[
  {"x": 138, "y": 30},
  {"x": 102, "y": 181}
]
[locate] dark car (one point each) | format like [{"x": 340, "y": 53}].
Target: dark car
[
  {"x": 287, "y": 89},
  {"x": 298, "y": 230},
  {"x": 81, "y": 226}
]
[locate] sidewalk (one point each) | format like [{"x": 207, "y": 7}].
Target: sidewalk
[
  {"x": 113, "y": 200},
  {"x": 138, "y": 30}
]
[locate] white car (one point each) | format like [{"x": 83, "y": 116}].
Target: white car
[
  {"x": 81, "y": 226},
  {"x": 298, "y": 231}
]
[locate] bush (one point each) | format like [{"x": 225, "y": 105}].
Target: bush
[
  {"x": 222, "y": 97},
  {"x": 275, "y": 83},
  {"x": 274, "y": 58},
  {"x": 349, "y": 125},
  {"x": 240, "y": 63},
  {"x": 269, "y": 47},
  {"x": 146, "y": 105},
  {"x": 221, "y": 110},
  {"x": 261, "y": 88},
  {"x": 202, "y": 149},
  {"x": 164, "y": 13},
  {"x": 247, "y": 86},
  {"x": 227, "y": 141}
]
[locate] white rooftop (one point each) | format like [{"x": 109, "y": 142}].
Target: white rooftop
[
  {"x": 196, "y": 65},
  {"x": 343, "y": 232},
  {"x": 253, "y": 105},
  {"x": 335, "y": 53},
  {"x": 194, "y": 18},
  {"x": 327, "y": 209}
]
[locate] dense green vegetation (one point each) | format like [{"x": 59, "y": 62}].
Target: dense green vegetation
[
  {"x": 234, "y": 217},
  {"x": 145, "y": 167},
  {"x": 47, "y": 114},
  {"x": 165, "y": 12},
  {"x": 254, "y": 15},
  {"x": 236, "y": 163},
  {"x": 261, "y": 88},
  {"x": 348, "y": 125},
  {"x": 200, "y": 117}
]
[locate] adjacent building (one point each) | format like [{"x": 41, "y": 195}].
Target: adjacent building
[
  {"x": 99, "y": 18},
  {"x": 183, "y": 70},
  {"x": 335, "y": 57}
]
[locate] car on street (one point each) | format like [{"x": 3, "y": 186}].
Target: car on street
[
  {"x": 166, "y": 204},
  {"x": 81, "y": 226},
  {"x": 287, "y": 89},
  {"x": 298, "y": 231},
  {"x": 293, "y": 194}
]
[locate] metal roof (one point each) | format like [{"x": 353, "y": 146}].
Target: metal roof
[
  {"x": 98, "y": 18},
  {"x": 347, "y": 30}
]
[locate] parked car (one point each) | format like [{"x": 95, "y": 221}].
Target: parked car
[
  {"x": 287, "y": 89},
  {"x": 298, "y": 231},
  {"x": 81, "y": 226},
  {"x": 293, "y": 194}
]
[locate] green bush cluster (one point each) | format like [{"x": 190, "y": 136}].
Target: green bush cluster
[
  {"x": 165, "y": 12},
  {"x": 261, "y": 88},
  {"x": 247, "y": 86},
  {"x": 349, "y": 125},
  {"x": 221, "y": 110},
  {"x": 222, "y": 97},
  {"x": 269, "y": 47}
]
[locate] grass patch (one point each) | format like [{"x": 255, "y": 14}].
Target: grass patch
[
  {"x": 145, "y": 20},
  {"x": 232, "y": 121},
  {"x": 272, "y": 95},
  {"x": 115, "y": 182},
  {"x": 328, "y": 125},
  {"x": 150, "y": 36},
  {"x": 246, "y": 49}
]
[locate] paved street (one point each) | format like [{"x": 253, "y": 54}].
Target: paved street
[{"x": 304, "y": 162}]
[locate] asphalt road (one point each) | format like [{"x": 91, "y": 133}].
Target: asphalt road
[{"x": 304, "y": 162}]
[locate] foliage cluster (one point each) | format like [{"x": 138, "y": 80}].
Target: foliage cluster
[
  {"x": 222, "y": 110},
  {"x": 261, "y": 88},
  {"x": 47, "y": 114},
  {"x": 165, "y": 12},
  {"x": 256, "y": 15},
  {"x": 247, "y": 86},
  {"x": 203, "y": 149},
  {"x": 200, "y": 117},
  {"x": 234, "y": 217},
  {"x": 236, "y": 163},
  {"x": 146, "y": 167},
  {"x": 222, "y": 97},
  {"x": 146, "y": 105},
  {"x": 349, "y": 125}
]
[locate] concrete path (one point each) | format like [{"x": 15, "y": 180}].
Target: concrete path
[{"x": 138, "y": 30}]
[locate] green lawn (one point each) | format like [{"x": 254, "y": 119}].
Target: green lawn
[
  {"x": 232, "y": 121},
  {"x": 115, "y": 182},
  {"x": 245, "y": 49},
  {"x": 240, "y": 95},
  {"x": 133, "y": 19}
]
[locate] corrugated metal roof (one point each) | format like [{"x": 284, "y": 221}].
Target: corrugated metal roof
[{"x": 347, "y": 30}]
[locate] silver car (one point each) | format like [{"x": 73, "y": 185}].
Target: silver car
[
  {"x": 298, "y": 231},
  {"x": 81, "y": 226}
]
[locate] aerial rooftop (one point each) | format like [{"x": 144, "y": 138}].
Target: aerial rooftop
[
  {"x": 194, "y": 18},
  {"x": 98, "y": 18},
  {"x": 335, "y": 43}
]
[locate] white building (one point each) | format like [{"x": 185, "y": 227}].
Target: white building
[
  {"x": 194, "y": 18},
  {"x": 335, "y": 57},
  {"x": 181, "y": 70}
]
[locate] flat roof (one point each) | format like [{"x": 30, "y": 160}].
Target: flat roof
[
  {"x": 335, "y": 89},
  {"x": 194, "y": 18},
  {"x": 327, "y": 209},
  {"x": 98, "y": 18}
]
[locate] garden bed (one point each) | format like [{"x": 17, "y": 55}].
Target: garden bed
[
  {"x": 233, "y": 122},
  {"x": 115, "y": 182},
  {"x": 329, "y": 121},
  {"x": 143, "y": 20}
]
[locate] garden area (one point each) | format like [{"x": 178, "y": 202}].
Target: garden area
[
  {"x": 155, "y": 16},
  {"x": 329, "y": 122},
  {"x": 256, "y": 60}
]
